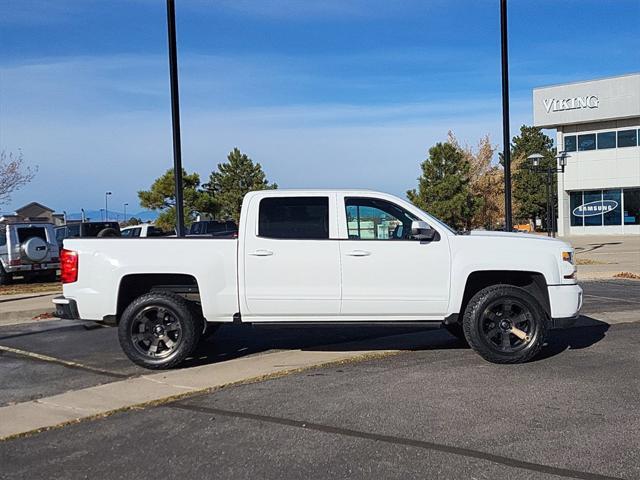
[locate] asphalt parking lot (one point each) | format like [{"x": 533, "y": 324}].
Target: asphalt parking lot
[{"x": 439, "y": 412}]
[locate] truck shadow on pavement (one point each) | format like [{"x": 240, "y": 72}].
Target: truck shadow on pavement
[
  {"x": 235, "y": 341},
  {"x": 588, "y": 332}
]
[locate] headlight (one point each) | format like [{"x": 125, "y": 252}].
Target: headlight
[{"x": 567, "y": 257}]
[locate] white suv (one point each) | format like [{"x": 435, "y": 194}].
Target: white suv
[{"x": 29, "y": 250}]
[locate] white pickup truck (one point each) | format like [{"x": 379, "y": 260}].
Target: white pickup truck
[{"x": 314, "y": 256}]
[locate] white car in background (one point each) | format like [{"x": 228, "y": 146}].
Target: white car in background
[{"x": 142, "y": 230}]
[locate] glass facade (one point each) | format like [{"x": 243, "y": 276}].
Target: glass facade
[
  {"x": 611, "y": 139},
  {"x": 627, "y": 138},
  {"x": 587, "y": 142},
  {"x": 606, "y": 140},
  {"x": 596, "y": 208},
  {"x": 632, "y": 206}
]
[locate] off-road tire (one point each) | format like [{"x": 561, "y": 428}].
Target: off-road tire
[
  {"x": 457, "y": 331},
  {"x": 180, "y": 310},
  {"x": 477, "y": 313},
  {"x": 108, "y": 233}
]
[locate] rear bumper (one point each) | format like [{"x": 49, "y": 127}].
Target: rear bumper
[
  {"x": 66, "y": 308},
  {"x": 31, "y": 267},
  {"x": 565, "y": 302}
]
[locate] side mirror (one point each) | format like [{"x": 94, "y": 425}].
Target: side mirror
[{"x": 422, "y": 231}]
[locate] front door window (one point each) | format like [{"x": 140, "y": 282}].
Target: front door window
[{"x": 374, "y": 219}]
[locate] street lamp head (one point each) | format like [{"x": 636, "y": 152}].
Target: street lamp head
[
  {"x": 535, "y": 158},
  {"x": 562, "y": 158},
  {"x": 107, "y": 193}
]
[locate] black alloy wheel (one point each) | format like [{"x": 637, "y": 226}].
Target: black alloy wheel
[
  {"x": 505, "y": 324},
  {"x": 159, "y": 330}
]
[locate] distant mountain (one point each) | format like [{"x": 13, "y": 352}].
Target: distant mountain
[{"x": 97, "y": 215}]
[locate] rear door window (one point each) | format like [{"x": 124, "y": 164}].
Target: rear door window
[{"x": 294, "y": 218}]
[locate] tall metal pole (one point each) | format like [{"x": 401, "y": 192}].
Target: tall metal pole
[
  {"x": 175, "y": 115},
  {"x": 506, "y": 135},
  {"x": 549, "y": 207}
]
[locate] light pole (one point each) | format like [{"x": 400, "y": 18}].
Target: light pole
[
  {"x": 506, "y": 135},
  {"x": 125, "y": 212},
  {"x": 175, "y": 114},
  {"x": 102, "y": 214},
  {"x": 106, "y": 203},
  {"x": 561, "y": 159}
]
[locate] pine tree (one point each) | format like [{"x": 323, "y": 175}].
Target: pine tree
[
  {"x": 529, "y": 187},
  {"x": 443, "y": 189},
  {"x": 162, "y": 197},
  {"x": 233, "y": 180}
]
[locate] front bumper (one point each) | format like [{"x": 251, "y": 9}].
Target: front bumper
[
  {"x": 565, "y": 302},
  {"x": 66, "y": 308}
]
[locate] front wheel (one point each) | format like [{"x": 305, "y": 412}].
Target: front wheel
[
  {"x": 505, "y": 324},
  {"x": 159, "y": 330}
]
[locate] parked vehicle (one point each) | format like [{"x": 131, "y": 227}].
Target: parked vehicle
[
  {"x": 143, "y": 230},
  {"x": 214, "y": 228},
  {"x": 29, "y": 250},
  {"x": 312, "y": 257},
  {"x": 87, "y": 229}
]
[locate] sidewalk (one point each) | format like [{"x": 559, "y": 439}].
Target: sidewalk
[
  {"x": 21, "y": 308},
  {"x": 603, "y": 256}
]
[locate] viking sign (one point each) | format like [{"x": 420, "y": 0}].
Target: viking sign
[
  {"x": 595, "y": 208},
  {"x": 574, "y": 103}
]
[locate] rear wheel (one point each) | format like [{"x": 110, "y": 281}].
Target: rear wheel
[
  {"x": 505, "y": 324},
  {"x": 159, "y": 330}
]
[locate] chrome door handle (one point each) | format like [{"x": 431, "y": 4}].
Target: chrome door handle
[
  {"x": 358, "y": 253},
  {"x": 261, "y": 253}
]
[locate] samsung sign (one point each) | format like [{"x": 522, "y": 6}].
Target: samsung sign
[
  {"x": 595, "y": 208},
  {"x": 574, "y": 103}
]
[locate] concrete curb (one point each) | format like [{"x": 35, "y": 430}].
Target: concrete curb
[{"x": 101, "y": 400}]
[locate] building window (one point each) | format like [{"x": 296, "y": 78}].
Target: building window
[
  {"x": 627, "y": 138},
  {"x": 606, "y": 140},
  {"x": 592, "y": 214},
  {"x": 611, "y": 207},
  {"x": 570, "y": 143},
  {"x": 596, "y": 208},
  {"x": 294, "y": 217},
  {"x": 575, "y": 201},
  {"x": 632, "y": 206},
  {"x": 587, "y": 142}
]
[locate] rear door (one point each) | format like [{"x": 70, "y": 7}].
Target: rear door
[{"x": 291, "y": 264}]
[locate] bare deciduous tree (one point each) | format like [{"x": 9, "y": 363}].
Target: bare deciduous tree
[
  {"x": 14, "y": 174},
  {"x": 486, "y": 181}
]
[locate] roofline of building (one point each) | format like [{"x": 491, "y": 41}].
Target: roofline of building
[{"x": 612, "y": 77}]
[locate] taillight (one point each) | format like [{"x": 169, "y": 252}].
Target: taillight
[{"x": 68, "y": 266}]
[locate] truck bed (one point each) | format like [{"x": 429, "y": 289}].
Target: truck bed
[{"x": 105, "y": 262}]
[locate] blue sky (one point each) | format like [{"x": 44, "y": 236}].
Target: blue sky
[{"x": 323, "y": 94}]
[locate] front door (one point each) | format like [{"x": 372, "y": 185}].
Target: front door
[
  {"x": 292, "y": 267},
  {"x": 385, "y": 273}
]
